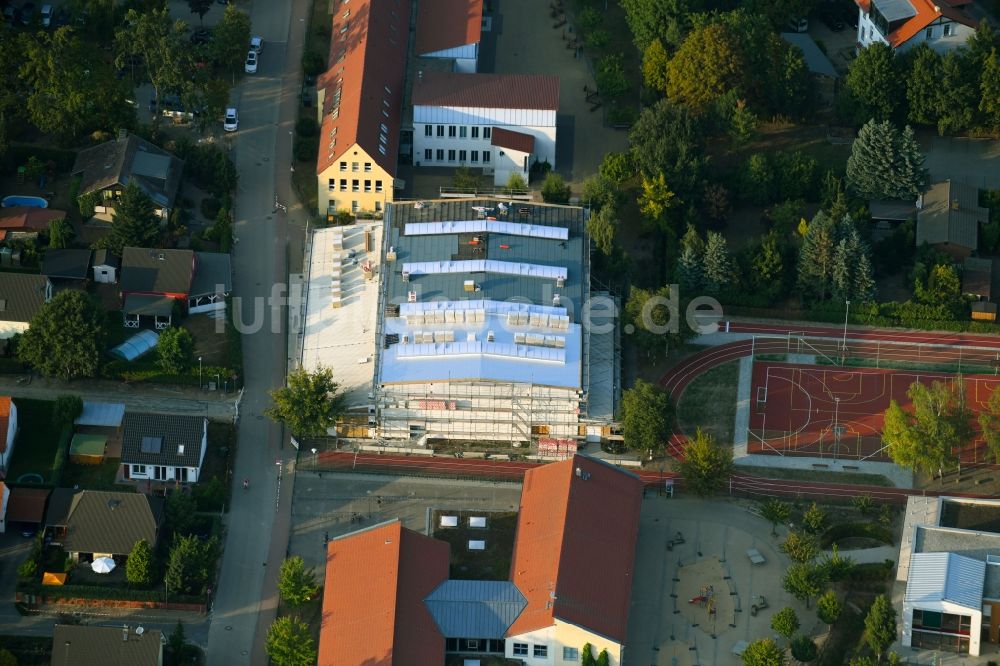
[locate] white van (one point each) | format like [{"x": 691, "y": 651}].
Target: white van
[
  {"x": 257, "y": 44},
  {"x": 46, "y": 15}
]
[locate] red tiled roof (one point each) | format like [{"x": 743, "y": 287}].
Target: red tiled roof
[
  {"x": 447, "y": 24},
  {"x": 373, "y": 599},
  {"x": 492, "y": 91},
  {"x": 27, "y": 217},
  {"x": 4, "y": 421},
  {"x": 928, "y": 11},
  {"x": 27, "y": 505},
  {"x": 576, "y": 540},
  {"x": 506, "y": 138},
  {"x": 362, "y": 75}
]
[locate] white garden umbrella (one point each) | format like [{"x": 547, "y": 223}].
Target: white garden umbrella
[{"x": 103, "y": 565}]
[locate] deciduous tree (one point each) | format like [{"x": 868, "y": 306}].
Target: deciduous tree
[
  {"x": 66, "y": 409},
  {"x": 296, "y": 584},
  {"x": 230, "y": 38},
  {"x": 800, "y": 547},
  {"x": 174, "y": 350},
  {"x": 880, "y": 625},
  {"x": 647, "y": 417},
  {"x": 926, "y": 438},
  {"x": 655, "y": 199},
  {"x": 804, "y": 649},
  {"x": 555, "y": 189},
  {"x": 923, "y": 83},
  {"x": 139, "y": 566},
  {"x": 706, "y": 66},
  {"x": 704, "y": 464},
  {"x": 309, "y": 404},
  {"x": 785, "y": 622},
  {"x": 61, "y": 234},
  {"x": 763, "y": 652},
  {"x": 989, "y": 88},
  {"x": 814, "y": 519},
  {"x": 654, "y": 66},
  {"x": 775, "y": 511},
  {"x": 200, "y": 7},
  {"x": 65, "y": 338},
  {"x": 989, "y": 423},
  {"x": 289, "y": 642},
  {"x": 828, "y": 607},
  {"x": 602, "y": 227},
  {"x": 668, "y": 139},
  {"x": 190, "y": 565},
  {"x": 804, "y": 581},
  {"x": 876, "y": 80},
  {"x": 655, "y": 319}
]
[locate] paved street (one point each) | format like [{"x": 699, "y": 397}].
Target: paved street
[{"x": 257, "y": 524}]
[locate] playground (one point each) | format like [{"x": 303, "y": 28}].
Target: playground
[{"x": 823, "y": 411}]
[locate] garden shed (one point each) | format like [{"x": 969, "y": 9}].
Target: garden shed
[{"x": 87, "y": 449}]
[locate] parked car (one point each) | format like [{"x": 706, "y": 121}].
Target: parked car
[
  {"x": 201, "y": 36},
  {"x": 231, "y": 121},
  {"x": 27, "y": 13},
  {"x": 832, "y": 19},
  {"x": 10, "y": 13},
  {"x": 798, "y": 24},
  {"x": 251, "y": 64},
  {"x": 46, "y": 15},
  {"x": 60, "y": 17},
  {"x": 257, "y": 44}
]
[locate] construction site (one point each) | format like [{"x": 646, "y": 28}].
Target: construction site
[{"x": 466, "y": 321}]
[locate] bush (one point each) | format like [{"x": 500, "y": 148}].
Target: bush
[
  {"x": 611, "y": 79},
  {"x": 554, "y": 189},
  {"x": 21, "y": 153},
  {"x": 306, "y": 126},
  {"x": 210, "y": 207},
  {"x": 306, "y": 148},
  {"x": 856, "y": 530},
  {"x": 87, "y": 204},
  {"x": 313, "y": 64},
  {"x": 872, "y": 571}
]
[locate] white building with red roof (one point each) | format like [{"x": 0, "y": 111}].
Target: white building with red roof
[
  {"x": 502, "y": 123},
  {"x": 903, "y": 24},
  {"x": 450, "y": 29}
]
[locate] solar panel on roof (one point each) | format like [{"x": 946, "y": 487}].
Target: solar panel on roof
[
  {"x": 486, "y": 226},
  {"x": 151, "y": 445},
  {"x": 485, "y": 266}
]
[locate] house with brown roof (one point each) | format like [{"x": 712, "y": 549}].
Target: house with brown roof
[
  {"x": 105, "y": 170},
  {"x": 502, "y": 123},
  {"x": 80, "y": 645},
  {"x": 21, "y": 296},
  {"x": 570, "y": 581},
  {"x": 154, "y": 281},
  {"x": 27, "y": 221},
  {"x": 450, "y": 29},
  {"x": 8, "y": 430},
  {"x": 948, "y": 218},
  {"x": 90, "y": 524},
  {"x": 359, "y": 106},
  {"x": 903, "y": 24}
]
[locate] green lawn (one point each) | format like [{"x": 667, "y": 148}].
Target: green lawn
[
  {"x": 94, "y": 477},
  {"x": 493, "y": 563},
  {"x": 37, "y": 439},
  {"x": 709, "y": 402}
]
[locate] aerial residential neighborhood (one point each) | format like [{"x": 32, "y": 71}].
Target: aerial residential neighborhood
[{"x": 499, "y": 332}]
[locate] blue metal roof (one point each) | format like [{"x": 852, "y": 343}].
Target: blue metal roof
[
  {"x": 475, "y": 608},
  {"x": 106, "y": 414}
]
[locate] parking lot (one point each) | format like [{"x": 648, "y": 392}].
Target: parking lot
[
  {"x": 668, "y": 623},
  {"x": 330, "y": 504}
]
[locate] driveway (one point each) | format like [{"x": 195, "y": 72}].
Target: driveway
[
  {"x": 972, "y": 161},
  {"x": 257, "y": 524}
]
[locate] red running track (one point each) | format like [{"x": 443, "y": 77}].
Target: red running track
[{"x": 854, "y": 333}]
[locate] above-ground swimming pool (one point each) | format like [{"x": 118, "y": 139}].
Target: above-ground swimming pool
[{"x": 19, "y": 200}]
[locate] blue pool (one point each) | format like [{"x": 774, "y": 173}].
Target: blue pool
[{"x": 17, "y": 200}]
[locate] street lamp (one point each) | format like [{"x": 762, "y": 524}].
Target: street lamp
[
  {"x": 836, "y": 425},
  {"x": 291, "y": 148},
  {"x": 847, "y": 309},
  {"x": 314, "y": 452},
  {"x": 200, "y": 385}
]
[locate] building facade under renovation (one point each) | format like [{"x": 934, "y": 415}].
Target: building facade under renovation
[{"x": 486, "y": 328}]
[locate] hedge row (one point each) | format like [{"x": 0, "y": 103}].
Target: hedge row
[
  {"x": 848, "y": 530},
  {"x": 62, "y": 454},
  {"x": 149, "y": 371},
  {"x": 871, "y": 571},
  {"x": 103, "y": 592},
  {"x": 20, "y": 153},
  {"x": 893, "y": 315}
]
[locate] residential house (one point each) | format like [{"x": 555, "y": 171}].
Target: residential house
[
  {"x": 152, "y": 282},
  {"x": 950, "y": 571},
  {"x": 450, "y": 29},
  {"x": 948, "y": 218},
  {"x": 213, "y": 280},
  {"x": 81, "y": 645},
  {"x": 26, "y": 221},
  {"x": 500, "y": 122},
  {"x": 359, "y": 105},
  {"x": 163, "y": 447},
  {"x": 21, "y": 296},
  {"x": 903, "y": 24},
  {"x": 570, "y": 581},
  {"x": 66, "y": 264},
  {"x": 8, "y": 430},
  {"x": 382, "y": 619},
  {"x": 106, "y": 169},
  {"x": 105, "y": 267},
  {"x": 90, "y": 524}
]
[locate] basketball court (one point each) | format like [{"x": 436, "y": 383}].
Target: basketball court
[{"x": 827, "y": 411}]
